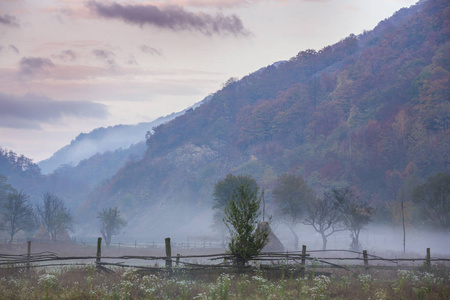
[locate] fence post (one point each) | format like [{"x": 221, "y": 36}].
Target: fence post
[
  {"x": 366, "y": 260},
  {"x": 178, "y": 259},
  {"x": 99, "y": 252},
  {"x": 168, "y": 253},
  {"x": 28, "y": 257},
  {"x": 428, "y": 261},
  {"x": 303, "y": 255}
]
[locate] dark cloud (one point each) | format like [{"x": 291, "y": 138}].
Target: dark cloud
[
  {"x": 30, "y": 65},
  {"x": 31, "y": 111},
  {"x": 132, "y": 60},
  {"x": 9, "y": 20},
  {"x": 172, "y": 17},
  {"x": 66, "y": 55},
  {"x": 103, "y": 54},
  {"x": 106, "y": 56},
  {"x": 150, "y": 50}
]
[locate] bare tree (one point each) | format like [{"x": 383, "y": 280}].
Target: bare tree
[
  {"x": 54, "y": 215},
  {"x": 356, "y": 213},
  {"x": 292, "y": 195},
  {"x": 17, "y": 214},
  {"x": 323, "y": 216},
  {"x": 110, "y": 223}
]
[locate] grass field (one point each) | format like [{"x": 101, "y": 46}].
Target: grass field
[{"x": 88, "y": 283}]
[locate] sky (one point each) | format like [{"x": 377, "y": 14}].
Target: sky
[{"x": 71, "y": 66}]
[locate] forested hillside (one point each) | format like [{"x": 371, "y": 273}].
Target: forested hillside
[
  {"x": 72, "y": 183},
  {"x": 370, "y": 112},
  {"x": 19, "y": 170}
]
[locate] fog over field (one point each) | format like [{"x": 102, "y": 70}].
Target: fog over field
[{"x": 377, "y": 239}]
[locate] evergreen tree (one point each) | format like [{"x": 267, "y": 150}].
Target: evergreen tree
[
  {"x": 241, "y": 218},
  {"x": 223, "y": 191}
]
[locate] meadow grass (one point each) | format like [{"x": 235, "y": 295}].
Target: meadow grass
[{"x": 88, "y": 283}]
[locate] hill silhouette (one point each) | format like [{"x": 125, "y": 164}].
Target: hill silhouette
[{"x": 99, "y": 141}]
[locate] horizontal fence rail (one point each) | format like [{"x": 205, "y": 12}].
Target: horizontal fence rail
[{"x": 193, "y": 244}]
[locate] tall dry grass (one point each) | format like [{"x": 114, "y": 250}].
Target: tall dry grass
[{"x": 88, "y": 283}]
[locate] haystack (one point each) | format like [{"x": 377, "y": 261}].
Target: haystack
[
  {"x": 42, "y": 234},
  {"x": 274, "y": 244},
  {"x": 63, "y": 236}
]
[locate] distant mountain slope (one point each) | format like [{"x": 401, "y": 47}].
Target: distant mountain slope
[
  {"x": 72, "y": 183},
  {"x": 14, "y": 166},
  {"x": 100, "y": 166},
  {"x": 370, "y": 111},
  {"x": 101, "y": 140}
]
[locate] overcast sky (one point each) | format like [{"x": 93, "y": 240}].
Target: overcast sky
[{"x": 71, "y": 66}]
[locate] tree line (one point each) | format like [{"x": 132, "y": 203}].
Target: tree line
[
  {"x": 340, "y": 209},
  {"x": 18, "y": 214},
  {"x": 237, "y": 207}
]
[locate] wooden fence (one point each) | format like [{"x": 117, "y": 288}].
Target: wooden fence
[{"x": 300, "y": 259}]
